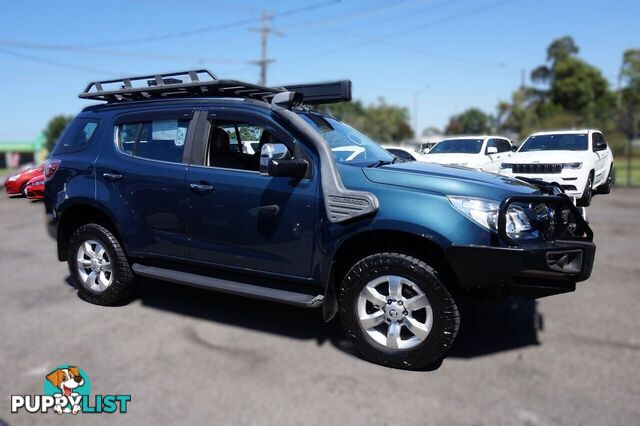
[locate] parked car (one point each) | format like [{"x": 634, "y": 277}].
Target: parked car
[
  {"x": 406, "y": 154},
  {"x": 476, "y": 152},
  {"x": 35, "y": 187},
  {"x": 426, "y": 147},
  {"x": 580, "y": 161},
  {"x": 389, "y": 246},
  {"x": 17, "y": 182}
]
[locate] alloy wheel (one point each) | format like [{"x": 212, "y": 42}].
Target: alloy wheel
[
  {"x": 394, "y": 312},
  {"x": 94, "y": 266}
]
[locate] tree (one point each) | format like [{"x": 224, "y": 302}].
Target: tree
[
  {"x": 54, "y": 129},
  {"x": 380, "y": 121},
  {"x": 573, "y": 85},
  {"x": 567, "y": 92},
  {"x": 470, "y": 121},
  {"x": 629, "y": 117}
]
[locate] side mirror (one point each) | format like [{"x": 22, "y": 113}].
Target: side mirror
[
  {"x": 276, "y": 161},
  {"x": 514, "y": 148},
  {"x": 492, "y": 150}
]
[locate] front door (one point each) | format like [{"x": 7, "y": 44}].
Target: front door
[{"x": 238, "y": 218}]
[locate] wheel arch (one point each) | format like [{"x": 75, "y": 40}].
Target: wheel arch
[
  {"x": 77, "y": 215},
  {"x": 368, "y": 242}
]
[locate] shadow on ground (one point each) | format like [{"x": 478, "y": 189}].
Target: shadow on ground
[{"x": 487, "y": 326}]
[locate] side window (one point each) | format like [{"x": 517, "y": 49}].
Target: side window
[
  {"x": 161, "y": 140},
  {"x": 77, "y": 136},
  {"x": 235, "y": 145},
  {"x": 599, "y": 143},
  {"x": 504, "y": 145}
]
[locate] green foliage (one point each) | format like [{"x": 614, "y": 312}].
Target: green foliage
[
  {"x": 471, "y": 121},
  {"x": 568, "y": 93},
  {"x": 380, "y": 121},
  {"x": 629, "y": 114},
  {"x": 54, "y": 129}
]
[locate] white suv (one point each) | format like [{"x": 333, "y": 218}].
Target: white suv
[
  {"x": 579, "y": 160},
  {"x": 477, "y": 152}
]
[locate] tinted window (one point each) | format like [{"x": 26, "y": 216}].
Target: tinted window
[
  {"x": 556, "y": 142},
  {"x": 504, "y": 145},
  {"x": 77, "y": 136},
  {"x": 236, "y": 145},
  {"x": 599, "y": 143},
  {"x": 161, "y": 140},
  {"x": 457, "y": 146}
]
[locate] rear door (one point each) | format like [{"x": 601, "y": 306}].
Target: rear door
[
  {"x": 238, "y": 218},
  {"x": 141, "y": 180}
]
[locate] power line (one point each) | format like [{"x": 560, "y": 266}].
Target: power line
[
  {"x": 64, "y": 65},
  {"x": 203, "y": 30},
  {"x": 152, "y": 56},
  {"x": 384, "y": 38}
]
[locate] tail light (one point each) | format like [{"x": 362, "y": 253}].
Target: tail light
[{"x": 50, "y": 168}]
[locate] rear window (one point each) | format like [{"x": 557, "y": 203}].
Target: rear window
[
  {"x": 77, "y": 136},
  {"x": 161, "y": 140}
]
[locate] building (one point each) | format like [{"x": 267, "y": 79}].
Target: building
[{"x": 14, "y": 153}]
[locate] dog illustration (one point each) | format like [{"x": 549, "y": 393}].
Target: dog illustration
[{"x": 66, "y": 379}]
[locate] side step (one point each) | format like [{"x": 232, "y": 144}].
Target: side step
[{"x": 232, "y": 287}]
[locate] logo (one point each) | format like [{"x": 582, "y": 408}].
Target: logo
[{"x": 67, "y": 390}]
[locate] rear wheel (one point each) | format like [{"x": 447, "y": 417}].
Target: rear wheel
[
  {"x": 99, "y": 267},
  {"x": 587, "y": 194},
  {"x": 397, "y": 311}
]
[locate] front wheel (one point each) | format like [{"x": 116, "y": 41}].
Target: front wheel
[
  {"x": 587, "y": 194},
  {"x": 397, "y": 311},
  {"x": 605, "y": 188}
]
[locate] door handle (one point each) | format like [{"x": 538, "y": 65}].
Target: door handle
[
  {"x": 201, "y": 187},
  {"x": 111, "y": 176}
]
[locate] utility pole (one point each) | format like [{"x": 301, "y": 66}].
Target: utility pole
[
  {"x": 523, "y": 78},
  {"x": 265, "y": 30}
]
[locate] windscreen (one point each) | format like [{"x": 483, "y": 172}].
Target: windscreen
[
  {"x": 457, "y": 146},
  {"x": 348, "y": 145},
  {"x": 556, "y": 142}
]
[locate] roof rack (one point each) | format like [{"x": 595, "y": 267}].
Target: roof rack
[{"x": 202, "y": 83}]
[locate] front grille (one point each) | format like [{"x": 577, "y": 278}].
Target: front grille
[{"x": 537, "y": 168}]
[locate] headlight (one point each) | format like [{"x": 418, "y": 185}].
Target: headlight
[
  {"x": 571, "y": 165},
  {"x": 14, "y": 177},
  {"x": 485, "y": 213},
  {"x": 506, "y": 166}
]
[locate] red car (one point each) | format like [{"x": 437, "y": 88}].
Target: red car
[
  {"x": 35, "y": 188},
  {"x": 17, "y": 182}
]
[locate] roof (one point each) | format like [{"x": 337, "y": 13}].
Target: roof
[{"x": 564, "y": 132}]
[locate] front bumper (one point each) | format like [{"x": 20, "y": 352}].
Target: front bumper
[
  {"x": 572, "y": 182},
  {"x": 534, "y": 272},
  {"x": 35, "y": 192},
  {"x": 12, "y": 187}
]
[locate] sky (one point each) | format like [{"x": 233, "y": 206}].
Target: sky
[{"x": 434, "y": 57}]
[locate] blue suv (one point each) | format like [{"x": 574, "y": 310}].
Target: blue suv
[{"x": 244, "y": 189}]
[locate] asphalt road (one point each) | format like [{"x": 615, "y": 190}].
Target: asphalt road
[{"x": 192, "y": 356}]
